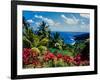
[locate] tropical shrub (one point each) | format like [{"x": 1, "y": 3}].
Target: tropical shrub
[
  {"x": 42, "y": 49},
  {"x": 35, "y": 50},
  {"x": 44, "y": 41}
]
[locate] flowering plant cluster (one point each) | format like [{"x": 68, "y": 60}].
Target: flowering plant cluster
[{"x": 31, "y": 57}]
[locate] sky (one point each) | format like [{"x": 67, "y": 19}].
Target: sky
[{"x": 59, "y": 21}]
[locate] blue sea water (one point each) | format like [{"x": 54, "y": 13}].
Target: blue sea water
[{"x": 69, "y": 36}]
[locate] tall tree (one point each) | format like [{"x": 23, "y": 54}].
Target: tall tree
[
  {"x": 27, "y": 34},
  {"x": 43, "y": 30}
]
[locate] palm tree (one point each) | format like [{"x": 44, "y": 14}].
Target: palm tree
[
  {"x": 43, "y": 30},
  {"x": 27, "y": 35},
  {"x": 56, "y": 41}
]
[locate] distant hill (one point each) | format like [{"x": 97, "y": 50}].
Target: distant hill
[{"x": 81, "y": 36}]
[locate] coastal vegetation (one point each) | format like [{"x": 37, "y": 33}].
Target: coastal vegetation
[{"x": 42, "y": 49}]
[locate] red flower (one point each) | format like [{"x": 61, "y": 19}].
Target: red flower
[
  {"x": 49, "y": 56},
  {"x": 36, "y": 62},
  {"x": 68, "y": 59},
  {"x": 77, "y": 59},
  {"x": 26, "y": 55},
  {"x": 59, "y": 56}
]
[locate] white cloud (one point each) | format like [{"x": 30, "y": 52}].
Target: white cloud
[
  {"x": 70, "y": 21},
  {"x": 84, "y": 15},
  {"x": 85, "y": 27},
  {"x": 30, "y": 21},
  {"x": 37, "y": 23},
  {"x": 48, "y": 20},
  {"x": 63, "y": 16},
  {"x": 36, "y": 16},
  {"x": 83, "y": 23}
]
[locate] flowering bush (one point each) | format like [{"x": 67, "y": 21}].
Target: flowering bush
[
  {"x": 26, "y": 55},
  {"x": 77, "y": 59},
  {"x": 32, "y": 59}
]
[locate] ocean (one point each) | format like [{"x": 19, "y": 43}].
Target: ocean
[{"x": 69, "y": 36}]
